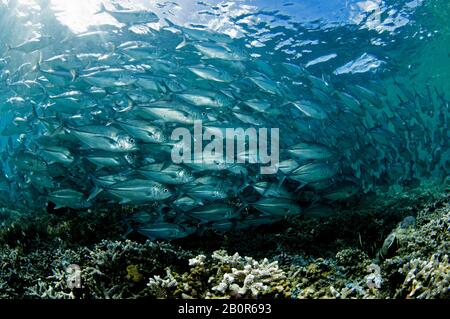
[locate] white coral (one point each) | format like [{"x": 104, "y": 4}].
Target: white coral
[
  {"x": 374, "y": 279},
  {"x": 197, "y": 261},
  {"x": 159, "y": 286},
  {"x": 249, "y": 277}
]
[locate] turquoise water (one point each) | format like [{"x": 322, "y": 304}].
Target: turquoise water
[{"x": 359, "y": 92}]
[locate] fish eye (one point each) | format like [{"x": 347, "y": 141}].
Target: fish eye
[
  {"x": 131, "y": 140},
  {"x": 165, "y": 190}
]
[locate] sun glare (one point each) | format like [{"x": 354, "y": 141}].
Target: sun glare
[{"x": 79, "y": 15}]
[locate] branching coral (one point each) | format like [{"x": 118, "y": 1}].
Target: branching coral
[
  {"x": 426, "y": 279},
  {"x": 248, "y": 277},
  {"x": 223, "y": 276}
]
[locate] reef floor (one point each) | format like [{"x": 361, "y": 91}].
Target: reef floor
[{"x": 394, "y": 243}]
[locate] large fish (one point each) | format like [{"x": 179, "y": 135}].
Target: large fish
[
  {"x": 165, "y": 231},
  {"x": 138, "y": 191},
  {"x": 130, "y": 16},
  {"x": 69, "y": 198},
  {"x": 167, "y": 173},
  {"x": 104, "y": 138}
]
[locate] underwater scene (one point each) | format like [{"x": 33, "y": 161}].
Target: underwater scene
[{"x": 187, "y": 149}]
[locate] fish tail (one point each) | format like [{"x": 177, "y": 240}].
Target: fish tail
[
  {"x": 299, "y": 187},
  {"x": 74, "y": 74},
  {"x": 34, "y": 111},
  {"x": 95, "y": 191},
  {"x": 170, "y": 23},
  {"x": 129, "y": 229},
  {"x": 281, "y": 180},
  {"x": 182, "y": 44},
  {"x": 37, "y": 67},
  {"x": 102, "y": 9}
]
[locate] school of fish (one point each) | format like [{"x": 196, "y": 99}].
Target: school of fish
[{"x": 87, "y": 122}]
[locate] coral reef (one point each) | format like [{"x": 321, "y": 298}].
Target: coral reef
[
  {"x": 426, "y": 278},
  {"x": 40, "y": 258},
  {"x": 224, "y": 276}
]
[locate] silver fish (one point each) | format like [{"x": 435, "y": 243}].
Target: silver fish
[
  {"x": 203, "y": 98},
  {"x": 143, "y": 130},
  {"x": 310, "y": 151},
  {"x": 311, "y": 109},
  {"x": 214, "y": 213},
  {"x": 58, "y": 154},
  {"x": 211, "y": 73},
  {"x": 68, "y": 198},
  {"x": 109, "y": 78},
  {"x": 167, "y": 173},
  {"x": 277, "y": 207},
  {"x": 101, "y": 138},
  {"x": 313, "y": 172},
  {"x": 138, "y": 191},
  {"x": 130, "y": 17},
  {"x": 216, "y": 51},
  {"x": 341, "y": 191},
  {"x": 32, "y": 45},
  {"x": 165, "y": 231}
]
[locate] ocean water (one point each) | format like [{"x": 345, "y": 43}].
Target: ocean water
[{"x": 342, "y": 97}]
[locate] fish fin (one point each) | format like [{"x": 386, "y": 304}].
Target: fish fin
[
  {"x": 110, "y": 122},
  {"x": 281, "y": 181},
  {"x": 400, "y": 98},
  {"x": 37, "y": 67},
  {"x": 171, "y": 144},
  {"x": 159, "y": 166},
  {"x": 99, "y": 167},
  {"x": 182, "y": 44},
  {"x": 170, "y": 23},
  {"x": 199, "y": 202},
  {"x": 66, "y": 38},
  {"x": 95, "y": 192},
  {"x": 252, "y": 179},
  {"x": 143, "y": 233},
  {"x": 34, "y": 111},
  {"x": 102, "y": 9},
  {"x": 129, "y": 107},
  {"x": 58, "y": 130},
  {"x": 74, "y": 74},
  {"x": 299, "y": 187}
]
